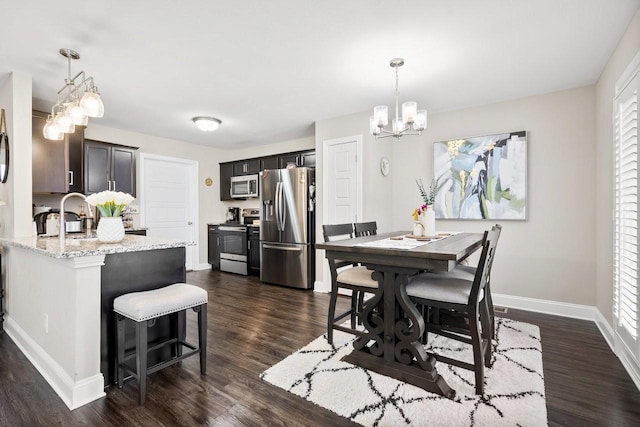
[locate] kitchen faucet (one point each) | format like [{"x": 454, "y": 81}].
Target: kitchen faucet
[{"x": 63, "y": 230}]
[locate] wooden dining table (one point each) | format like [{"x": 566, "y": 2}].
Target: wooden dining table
[{"x": 391, "y": 344}]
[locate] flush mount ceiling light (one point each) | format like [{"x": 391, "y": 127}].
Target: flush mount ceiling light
[
  {"x": 78, "y": 100},
  {"x": 207, "y": 124},
  {"x": 413, "y": 121}
]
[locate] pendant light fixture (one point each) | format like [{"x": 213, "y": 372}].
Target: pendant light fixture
[
  {"x": 412, "y": 122},
  {"x": 78, "y": 100}
]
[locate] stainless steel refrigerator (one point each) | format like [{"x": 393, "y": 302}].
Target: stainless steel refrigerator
[{"x": 287, "y": 227}]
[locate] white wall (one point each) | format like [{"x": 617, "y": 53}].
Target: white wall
[
  {"x": 15, "y": 98},
  {"x": 377, "y": 189},
  {"x": 627, "y": 48},
  {"x": 551, "y": 255}
]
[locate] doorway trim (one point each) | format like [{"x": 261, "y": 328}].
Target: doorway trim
[
  {"x": 325, "y": 285},
  {"x": 192, "y": 197}
]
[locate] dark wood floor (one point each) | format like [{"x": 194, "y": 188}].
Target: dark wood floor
[{"x": 252, "y": 326}]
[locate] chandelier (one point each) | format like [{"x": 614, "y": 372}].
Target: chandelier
[
  {"x": 413, "y": 121},
  {"x": 78, "y": 100}
]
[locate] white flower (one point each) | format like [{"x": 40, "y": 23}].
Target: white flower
[
  {"x": 110, "y": 203},
  {"x": 121, "y": 198}
]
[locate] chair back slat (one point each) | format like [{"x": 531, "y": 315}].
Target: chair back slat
[
  {"x": 333, "y": 232},
  {"x": 365, "y": 228},
  {"x": 483, "y": 271}
]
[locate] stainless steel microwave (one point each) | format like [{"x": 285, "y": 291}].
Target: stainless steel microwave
[{"x": 245, "y": 186}]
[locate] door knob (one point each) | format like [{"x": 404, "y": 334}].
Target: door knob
[{"x": 190, "y": 223}]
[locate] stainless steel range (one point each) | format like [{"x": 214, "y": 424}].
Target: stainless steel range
[
  {"x": 233, "y": 248},
  {"x": 234, "y": 243}
]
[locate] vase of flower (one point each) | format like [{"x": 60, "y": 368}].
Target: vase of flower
[
  {"x": 427, "y": 214},
  {"x": 110, "y": 204},
  {"x": 110, "y": 229},
  {"x": 429, "y": 221}
]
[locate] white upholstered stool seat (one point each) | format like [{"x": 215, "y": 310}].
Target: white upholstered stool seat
[
  {"x": 434, "y": 286},
  {"x": 143, "y": 308},
  {"x": 358, "y": 276},
  {"x": 147, "y": 305}
]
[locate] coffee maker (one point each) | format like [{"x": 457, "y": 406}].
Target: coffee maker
[{"x": 233, "y": 215}]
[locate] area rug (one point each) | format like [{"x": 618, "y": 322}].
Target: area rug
[{"x": 514, "y": 385}]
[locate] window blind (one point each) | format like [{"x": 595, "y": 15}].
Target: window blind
[{"x": 626, "y": 212}]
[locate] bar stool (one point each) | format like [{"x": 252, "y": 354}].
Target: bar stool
[{"x": 144, "y": 308}]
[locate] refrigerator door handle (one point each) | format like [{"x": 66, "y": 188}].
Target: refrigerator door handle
[
  {"x": 283, "y": 248},
  {"x": 283, "y": 213},
  {"x": 277, "y": 203}
]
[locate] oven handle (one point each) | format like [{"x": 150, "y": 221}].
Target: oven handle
[
  {"x": 238, "y": 229},
  {"x": 283, "y": 248}
]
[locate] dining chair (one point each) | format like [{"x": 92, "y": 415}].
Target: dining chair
[
  {"x": 468, "y": 272},
  {"x": 346, "y": 275},
  {"x": 365, "y": 228},
  {"x": 466, "y": 297}
]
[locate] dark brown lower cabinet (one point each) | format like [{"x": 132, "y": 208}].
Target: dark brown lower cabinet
[{"x": 133, "y": 272}]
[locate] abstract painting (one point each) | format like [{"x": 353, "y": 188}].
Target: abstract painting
[{"x": 482, "y": 177}]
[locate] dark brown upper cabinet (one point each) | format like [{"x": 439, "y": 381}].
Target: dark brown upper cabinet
[
  {"x": 226, "y": 172},
  {"x": 256, "y": 165},
  {"x": 299, "y": 159},
  {"x": 109, "y": 167},
  {"x": 56, "y": 165},
  {"x": 270, "y": 162},
  {"x": 246, "y": 167}
]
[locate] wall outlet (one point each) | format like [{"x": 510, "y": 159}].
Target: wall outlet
[
  {"x": 134, "y": 209},
  {"x": 45, "y": 320}
]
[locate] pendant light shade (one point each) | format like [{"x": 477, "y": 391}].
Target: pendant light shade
[
  {"x": 92, "y": 105},
  {"x": 51, "y": 130}
]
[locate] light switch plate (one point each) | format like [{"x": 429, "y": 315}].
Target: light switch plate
[{"x": 134, "y": 209}]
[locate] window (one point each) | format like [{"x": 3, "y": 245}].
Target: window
[{"x": 626, "y": 237}]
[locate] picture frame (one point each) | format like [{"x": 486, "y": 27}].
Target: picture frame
[{"x": 481, "y": 178}]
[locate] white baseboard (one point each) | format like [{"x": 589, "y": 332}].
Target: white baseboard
[
  {"x": 576, "y": 311},
  {"x": 627, "y": 360},
  {"x": 73, "y": 393},
  {"x": 319, "y": 286},
  {"x": 203, "y": 266},
  {"x": 605, "y": 329}
]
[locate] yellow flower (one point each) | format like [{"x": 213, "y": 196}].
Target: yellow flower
[{"x": 415, "y": 214}]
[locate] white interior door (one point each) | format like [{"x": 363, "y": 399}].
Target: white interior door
[
  {"x": 342, "y": 186},
  {"x": 169, "y": 200},
  {"x": 342, "y": 183}
]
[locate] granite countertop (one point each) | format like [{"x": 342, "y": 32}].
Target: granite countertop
[{"x": 81, "y": 246}]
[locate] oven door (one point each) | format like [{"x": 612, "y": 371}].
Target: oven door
[{"x": 233, "y": 249}]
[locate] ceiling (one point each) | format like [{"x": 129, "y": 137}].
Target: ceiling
[{"x": 270, "y": 69}]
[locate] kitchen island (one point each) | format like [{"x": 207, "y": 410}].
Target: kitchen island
[{"x": 59, "y": 303}]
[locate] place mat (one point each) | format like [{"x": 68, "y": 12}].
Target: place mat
[
  {"x": 394, "y": 243},
  {"x": 514, "y": 385},
  {"x": 405, "y": 242}
]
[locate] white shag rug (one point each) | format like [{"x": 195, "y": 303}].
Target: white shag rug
[{"x": 514, "y": 385}]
